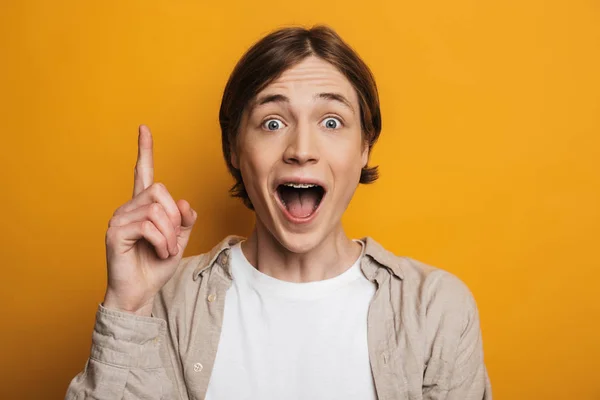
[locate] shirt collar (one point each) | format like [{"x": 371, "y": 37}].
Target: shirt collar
[
  {"x": 382, "y": 258},
  {"x": 373, "y": 250},
  {"x": 218, "y": 254}
]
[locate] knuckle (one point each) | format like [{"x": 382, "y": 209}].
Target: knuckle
[
  {"x": 113, "y": 221},
  {"x": 117, "y": 211},
  {"x": 159, "y": 187},
  {"x": 155, "y": 210},
  {"x": 147, "y": 226},
  {"x": 111, "y": 234}
]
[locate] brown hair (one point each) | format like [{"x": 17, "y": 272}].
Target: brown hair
[{"x": 267, "y": 59}]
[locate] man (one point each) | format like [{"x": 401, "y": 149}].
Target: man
[{"x": 298, "y": 310}]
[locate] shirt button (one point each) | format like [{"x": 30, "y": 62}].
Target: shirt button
[
  {"x": 212, "y": 297},
  {"x": 197, "y": 367}
]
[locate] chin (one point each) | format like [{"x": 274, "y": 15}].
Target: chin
[{"x": 299, "y": 242}]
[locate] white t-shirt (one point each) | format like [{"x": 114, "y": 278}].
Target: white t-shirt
[{"x": 285, "y": 340}]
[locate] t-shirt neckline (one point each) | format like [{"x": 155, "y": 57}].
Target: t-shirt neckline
[{"x": 244, "y": 273}]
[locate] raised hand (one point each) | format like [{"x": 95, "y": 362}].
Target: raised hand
[{"x": 145, "y": 239}]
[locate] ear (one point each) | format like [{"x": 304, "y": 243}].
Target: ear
[
  {"x": 234, "y": 159},
  {"x": 365, "y": 154}
]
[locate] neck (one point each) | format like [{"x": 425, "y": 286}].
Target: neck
[{"x": 329, "y": 258}]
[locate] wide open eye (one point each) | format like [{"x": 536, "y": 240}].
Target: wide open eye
[
  {"x": 272, "y": 124},
  {"x": 331, "y": 123}
]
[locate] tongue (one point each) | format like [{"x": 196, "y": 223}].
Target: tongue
[{"x": 300, "y": 203}]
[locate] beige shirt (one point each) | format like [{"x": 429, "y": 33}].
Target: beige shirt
[{"x": 423, "y": 334}]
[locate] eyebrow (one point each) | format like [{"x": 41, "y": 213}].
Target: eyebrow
[
  {"x": 271, "y": 98},
  {"x": 336, "y": 97},
  {"x": 279, "y": 98}
]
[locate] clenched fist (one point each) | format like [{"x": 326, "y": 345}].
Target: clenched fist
[{"x": 145, "y": 239}]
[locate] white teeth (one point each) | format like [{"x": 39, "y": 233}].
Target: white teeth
[{"x": 300, "y": 185}]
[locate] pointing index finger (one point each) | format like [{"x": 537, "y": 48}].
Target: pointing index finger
[{"x": 144, "y": 167}]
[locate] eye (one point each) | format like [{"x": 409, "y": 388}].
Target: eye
[
  {"x": 332, "y": 123},
  {"x": 272, "y": 124}
]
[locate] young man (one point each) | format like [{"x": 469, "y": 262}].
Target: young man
[{"x": 298, "y": 310}]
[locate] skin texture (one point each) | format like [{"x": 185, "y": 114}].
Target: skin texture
[{"x": 306, "y": 136}]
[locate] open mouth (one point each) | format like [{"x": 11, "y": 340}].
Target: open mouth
[{"x": 301, "y": 200}]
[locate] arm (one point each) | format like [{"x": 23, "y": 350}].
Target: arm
[
  {"x": 456, "y": 369},
  {"x": 130, "y": 357},
  {"x": 125, "y": 361}
]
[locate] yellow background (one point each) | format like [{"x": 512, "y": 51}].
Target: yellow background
[{"x": 489, "y": 162}]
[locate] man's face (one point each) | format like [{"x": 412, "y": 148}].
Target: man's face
[{"x": 300, "y": 152}]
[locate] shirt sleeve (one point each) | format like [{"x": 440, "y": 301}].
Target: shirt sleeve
[
  {"x": 456, "y": 368},
  {"x": 469, "y": 379},
  {"x": 125, "y": 361}
]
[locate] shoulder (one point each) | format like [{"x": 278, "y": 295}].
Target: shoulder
[
  {"x": 435, "y": 292},
  {"x": 445, "y": 304},
  {"x": 440, "y": 316},
  {"x": 437, "y": 308},
  {"x": 434, "y": 284}
]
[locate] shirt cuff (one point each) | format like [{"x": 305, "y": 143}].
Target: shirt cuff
[{"x": 127, "y": 340}]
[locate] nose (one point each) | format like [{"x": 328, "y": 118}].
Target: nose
[{"x": 302, "y": 146}]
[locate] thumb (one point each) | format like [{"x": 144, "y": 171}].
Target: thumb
[{"x": 188, "y": 219}]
